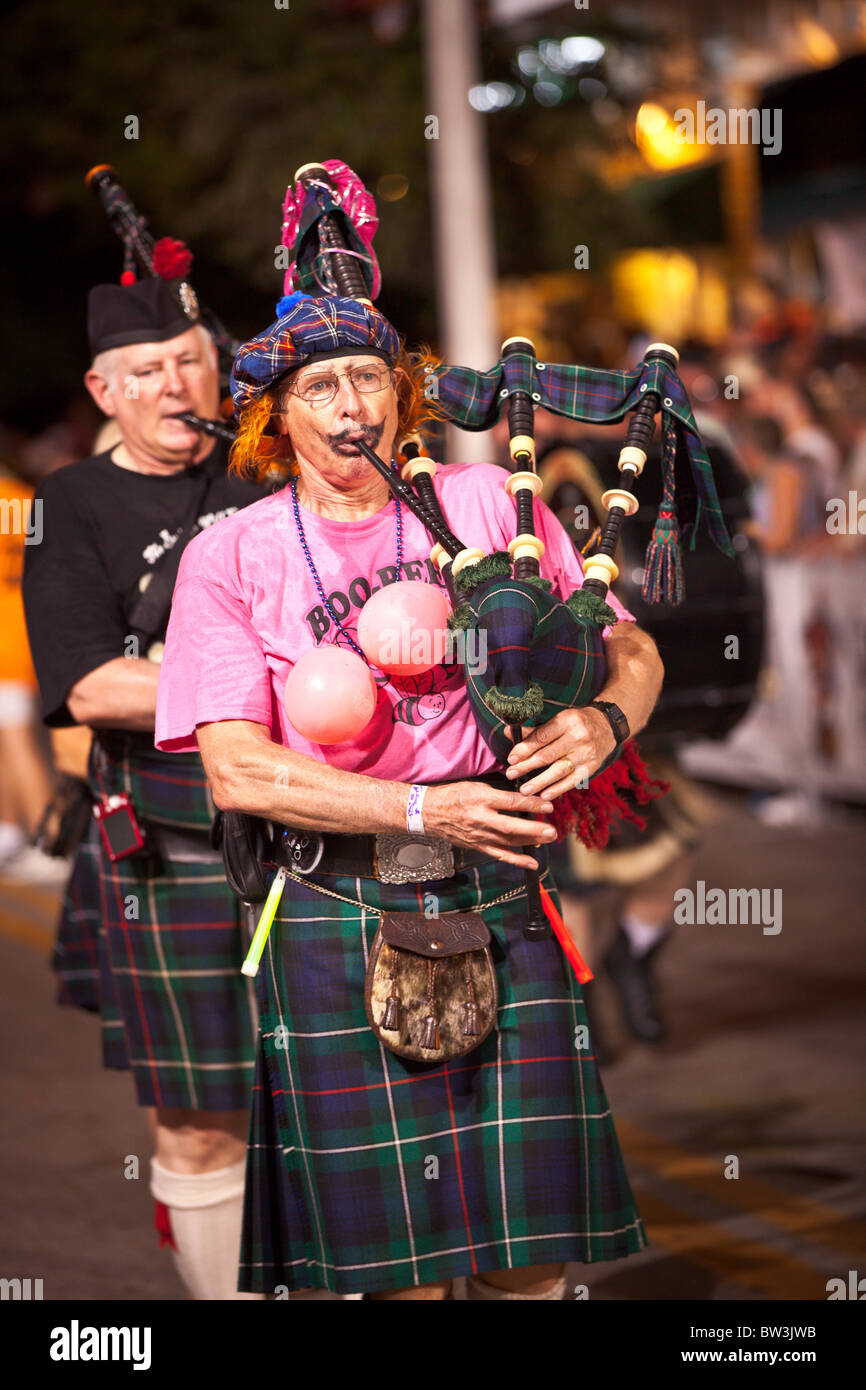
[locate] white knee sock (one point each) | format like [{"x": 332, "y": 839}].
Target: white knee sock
[
  {"x": 641, "y": 935},
  {"x": 206, "y": 1211},
  {"x": 476, "y": 1289}
]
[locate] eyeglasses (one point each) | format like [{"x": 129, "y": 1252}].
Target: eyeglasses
[{"x": 319, "y": 389}]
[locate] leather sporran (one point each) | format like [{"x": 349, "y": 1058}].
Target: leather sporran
[{"x": 430, "y": 992}]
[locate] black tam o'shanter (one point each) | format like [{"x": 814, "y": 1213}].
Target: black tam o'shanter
[{"x": 146, "y": 312}]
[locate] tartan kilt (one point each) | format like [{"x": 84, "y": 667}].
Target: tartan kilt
[
  {"x": 168, "y": 937},
  {"x": 80, "y": 958},
  {"x": 342, "y": 1191}
]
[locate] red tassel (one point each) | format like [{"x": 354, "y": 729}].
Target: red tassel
[
  {"x": 171, "y": 259},
  {"x": 127, "y": 277},
  {"x": 591, "y": 812},
  {"x": 561, "y": 932},
  {"x": 162, "y": 1225}
]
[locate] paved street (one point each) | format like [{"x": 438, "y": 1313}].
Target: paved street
[{"x": 765, "y": 1063}]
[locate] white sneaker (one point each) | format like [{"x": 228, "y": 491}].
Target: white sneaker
[{"x": 30, "y": 865}]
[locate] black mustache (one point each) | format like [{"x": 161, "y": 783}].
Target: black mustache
[{"x": 371, "y": 434}]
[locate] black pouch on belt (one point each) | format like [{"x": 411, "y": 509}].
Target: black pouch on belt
[
  {"x": 244, "y": 842},
  {"x": 430, "y": 992}
]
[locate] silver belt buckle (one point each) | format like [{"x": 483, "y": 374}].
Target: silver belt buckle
[{"x": 403, "y": 858}]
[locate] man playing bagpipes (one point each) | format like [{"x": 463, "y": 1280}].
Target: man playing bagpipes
[
  {"x": 97, "y": 592},
  {"x": 427, "y": 1104}
]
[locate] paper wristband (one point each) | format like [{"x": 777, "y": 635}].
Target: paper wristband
[{"x": 414, "y": 822}]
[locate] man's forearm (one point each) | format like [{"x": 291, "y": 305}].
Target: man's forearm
[
  {"x": 121, "y": 694},
  {"x": 265, "y": 779},
  {"x": 634, "y": 674}
]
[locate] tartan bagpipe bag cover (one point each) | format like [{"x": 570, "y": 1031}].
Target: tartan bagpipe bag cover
[{"x": 536, "y": 656}]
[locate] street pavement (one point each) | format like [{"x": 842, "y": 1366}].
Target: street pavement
[{"x": 765, "y": 1065}]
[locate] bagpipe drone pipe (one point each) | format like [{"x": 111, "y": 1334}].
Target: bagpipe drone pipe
[
  {"x": 540, "y": 653},
  {"x": 169, "y": 260}
]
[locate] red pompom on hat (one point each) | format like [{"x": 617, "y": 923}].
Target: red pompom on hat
[{"x": 171, "y": 259}]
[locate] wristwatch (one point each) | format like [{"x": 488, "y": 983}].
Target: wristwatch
[{"x": 615, "y": 718}]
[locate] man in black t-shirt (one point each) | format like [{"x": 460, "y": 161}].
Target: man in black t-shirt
[{"x": 175, "y": 1007}]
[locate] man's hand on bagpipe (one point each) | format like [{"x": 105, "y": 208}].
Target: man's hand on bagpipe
[{"x": 564, "y": 752}]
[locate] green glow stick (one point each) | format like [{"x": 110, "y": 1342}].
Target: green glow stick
[{"x": 265, "y": 922}]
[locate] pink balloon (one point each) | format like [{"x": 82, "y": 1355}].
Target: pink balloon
[
  {"x": 330, "y": 695},
  {"x": 403, "y": 629}
]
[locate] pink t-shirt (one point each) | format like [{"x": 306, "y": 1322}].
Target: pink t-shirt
[{"x": 246, "y": 607}]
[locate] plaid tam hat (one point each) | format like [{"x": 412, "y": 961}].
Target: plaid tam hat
[{"x": 308, "y": 330}]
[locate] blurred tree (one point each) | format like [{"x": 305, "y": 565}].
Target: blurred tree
[{"x": 230, "y": 98}]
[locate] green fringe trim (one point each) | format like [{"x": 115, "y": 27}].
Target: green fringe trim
[
  {"x": 585, "y": 604},
  {"x": 495, "y": 566},
  {"x": 516, "y": 709},
  {"x": 461, "y": 618},
  {"x": 539, "y": 582}
]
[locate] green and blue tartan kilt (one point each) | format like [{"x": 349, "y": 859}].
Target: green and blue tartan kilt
[
  {"x": 168, "y": 937},
  {"x": 366, "y": 1171},
  {"x": 80, "y": 959}
]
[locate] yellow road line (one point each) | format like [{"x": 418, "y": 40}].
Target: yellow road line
[{"x": 812, "y": 1221}]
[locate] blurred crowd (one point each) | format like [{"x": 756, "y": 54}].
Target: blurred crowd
[
  {"x": 30, "y": 759},
  {"x": 786, "y": 396},
  {"x": 793, "y": 405}
]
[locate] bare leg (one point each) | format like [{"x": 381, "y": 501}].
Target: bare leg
[
  {"x": 418, "y": 1291},
  {"x": 198, "y": 1173},
  {"x": 199, "y": 1141},
  {"x": 536, "y": 1279}
]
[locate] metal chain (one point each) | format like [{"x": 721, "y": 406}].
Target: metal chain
[{"x": 380, "y": 911}]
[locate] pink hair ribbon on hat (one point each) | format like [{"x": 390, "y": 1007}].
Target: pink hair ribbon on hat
[{"x": 356, "y": 203}]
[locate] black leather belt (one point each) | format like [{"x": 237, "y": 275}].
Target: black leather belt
[{"x": 308, "y": 851}]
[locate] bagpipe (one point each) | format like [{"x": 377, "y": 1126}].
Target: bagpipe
[
  {"x": 170, "y": 260},
  {"x": 539, "y": 654}
]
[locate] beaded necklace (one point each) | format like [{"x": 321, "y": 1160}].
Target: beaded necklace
[{"x": 314, "y": 572}]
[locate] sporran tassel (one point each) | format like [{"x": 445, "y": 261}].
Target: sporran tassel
[
  {"x": 391, "y": 1016},
  {"x": 470, "y": 1011},
  {"x": 430, "y": 1035},
  {"x": 393, "y": 1005}
]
